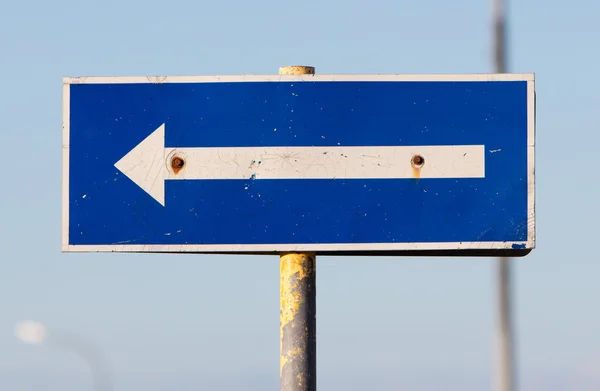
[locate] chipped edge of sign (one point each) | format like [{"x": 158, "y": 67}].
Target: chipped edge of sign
[
  {"x": 531, "y": 123},
  {"x": 314, "y": 78},
  {"x": 274, "y": 248},
  {"x": 528, "y": 244},
  {"x": 66, "y": 111}
]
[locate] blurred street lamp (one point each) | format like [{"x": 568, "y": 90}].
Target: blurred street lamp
[
  {"x": 35, "y": 333},
  {"x": 30, "y": 332}
]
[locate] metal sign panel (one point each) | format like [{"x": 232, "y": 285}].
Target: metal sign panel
[{"x": 324, "y": 163}]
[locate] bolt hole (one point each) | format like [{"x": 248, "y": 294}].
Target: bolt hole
[
  {"x": 417, "y": 161},
  {"x": 177, "y": 164}
]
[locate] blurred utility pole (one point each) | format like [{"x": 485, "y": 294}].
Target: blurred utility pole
[
  {"x": 36, "y": 333},
  {"x": 506, "y": 369},
  {"x": 499, "y": 27},
  {"x": 506, "y": 375}
]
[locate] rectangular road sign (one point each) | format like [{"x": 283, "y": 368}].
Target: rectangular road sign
[{"x": 333, "y": 164}]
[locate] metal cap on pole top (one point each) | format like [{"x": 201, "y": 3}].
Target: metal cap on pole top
[{"x": 297, "y": 70}]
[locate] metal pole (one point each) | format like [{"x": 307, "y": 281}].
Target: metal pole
[
  {"x": 506, "y": 380},
  {"x": 36, "y": 333},
  {"x": 505, "y": 373},
  {"x": 96, "y": 361},
  {"x": 298, "y": 323},
  {"x": 297, "y": 316},
  {"x": 499, "y": 21}
]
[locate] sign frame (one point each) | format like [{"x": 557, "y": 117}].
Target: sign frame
[{"x": 396, "y": 248}]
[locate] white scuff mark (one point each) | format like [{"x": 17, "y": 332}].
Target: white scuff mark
[
  {"x": 178, "y": 231},
  {"x": 85, "y": 195},
  {"x": 483, "y": 233},
  {"x": 495, "y": 150},
  {"x": 168, "y": 234},
  {"x": 126, "y": 241}
]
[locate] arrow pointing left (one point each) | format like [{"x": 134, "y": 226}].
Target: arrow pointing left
[
  {"x": 149, "y": 164},
  {"x": 145, "y": 164}
]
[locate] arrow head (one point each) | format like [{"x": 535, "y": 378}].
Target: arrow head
[{"x": 145, "y": 165}]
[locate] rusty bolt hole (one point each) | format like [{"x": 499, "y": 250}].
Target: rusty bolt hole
[
  {"x": 417, "y": 161},
  {"x": 177, "y": 164}
]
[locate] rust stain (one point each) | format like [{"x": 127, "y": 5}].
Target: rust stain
[
  {"x": 416, "y": 172},
  {"x": 417, "y": 162},
  {"x": 177, "y": 164}
]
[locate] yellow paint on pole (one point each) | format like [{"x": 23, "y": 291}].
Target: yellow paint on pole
[
  {"x": 297, "y": 322},
  {"x": 297, "y": 332},
  {"x": 295, "y": 269}
]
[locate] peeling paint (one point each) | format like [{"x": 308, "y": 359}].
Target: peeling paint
[{"x": 297, "y": 321}]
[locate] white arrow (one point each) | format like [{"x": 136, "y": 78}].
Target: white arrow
[{"x": 149, "y": 164}]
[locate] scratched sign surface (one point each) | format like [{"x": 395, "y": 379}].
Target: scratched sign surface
[{"x": 369, "y": 163}]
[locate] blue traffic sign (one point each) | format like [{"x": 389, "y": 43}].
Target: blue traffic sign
[{"x": 321, "y": 163}]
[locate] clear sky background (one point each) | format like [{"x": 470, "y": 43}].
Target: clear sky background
[{"x": 212, "y": 322}]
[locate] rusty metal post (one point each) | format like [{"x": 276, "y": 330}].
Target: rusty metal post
[{"x": 297, "y": 316}]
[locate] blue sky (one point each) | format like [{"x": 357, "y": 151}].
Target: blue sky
[{"x": 191, "y": 321}]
